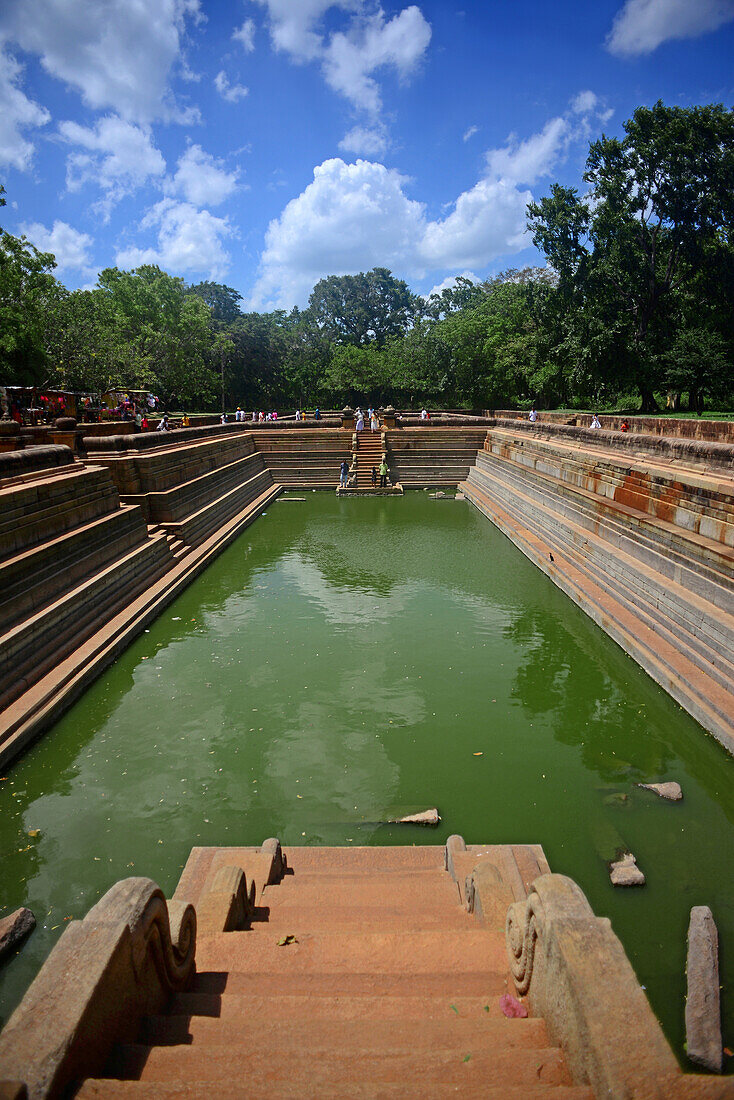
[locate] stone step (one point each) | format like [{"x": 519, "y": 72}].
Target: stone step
[
  {"x": 359, "y": 858},
  {"x": 440, "y": 983},
  {"x": 339, "y": 952},
  {"x": 665, "y": 663},
  {"x": 287, "y": 1008},
  {"x": 273, "y": 1066},
  {"x": 284, "y": 919},
  {"x": 412, "y": 1088},
  {"x": 251, "y": 1032},
  {"x": 708, "y": 641},
  {"x": 399, "y": 889}
]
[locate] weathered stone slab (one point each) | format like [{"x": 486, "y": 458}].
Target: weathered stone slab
[
  {"x": 14, "y": 928},
  {"x": 670, "y": 791},
  {"x": 703, "y": 1009},
  {"x": 625, "y": 872},
  {"x": 426, "y": 817}
]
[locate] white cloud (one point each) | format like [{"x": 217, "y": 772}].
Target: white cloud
[
  {"x": 202, "y": 179},
  {"x": 189, "y": 240},
  {"x": 365, "y": 140},
  {"x": 17, "y": 113},
  {"x": 350, "y": 57},
  {"x": 526, "y": 161},
  {"x": 69, "y": 246},
  {"x": 292, "y": 24},
  {"x": 584, "y": 102},
  {"x": 487, "y": 221},
  {"x": 470, "y": 133},
  {"x": 450, "y": 282},
  {"x": 642, "y": 25},
  {"x": 117, "y": 54},
  {"x": 352, "y": 217},
  {"x": 120, "y": 157},
  {"x": 245, "y": 35},
  {"x": 231, "y": 92}
]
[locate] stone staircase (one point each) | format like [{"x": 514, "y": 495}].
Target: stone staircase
[
  {"x": 645, "y": 550},
  {"x": 359, "y": 974},
  {"x": 370, "y": 448}
]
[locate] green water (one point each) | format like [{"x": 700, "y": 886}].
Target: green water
[{"x": 344, "y": 659}]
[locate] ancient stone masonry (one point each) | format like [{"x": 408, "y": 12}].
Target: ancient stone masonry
[
  {"x": 639, "y": 531},
  {"x": 70, "y": 557},
  {"x": 90, "y": 552},
  {"x": 406, "y": 972}
]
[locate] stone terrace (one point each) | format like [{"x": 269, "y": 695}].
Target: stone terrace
[{"x": 644, "y": 545}]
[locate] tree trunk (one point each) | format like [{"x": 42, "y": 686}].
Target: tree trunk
[{"x": 648, "y": 403}]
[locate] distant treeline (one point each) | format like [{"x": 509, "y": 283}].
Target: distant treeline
[{"x": 636, "y": 301}]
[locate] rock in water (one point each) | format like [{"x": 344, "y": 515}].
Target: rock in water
[
  {"x": 625, "y": 872},
  {"x": 14, "y": 928},
  {"x": 703, "y": 1010},
  {"x": 427, "y": 817},
  {"x": 670, "y": 790}
]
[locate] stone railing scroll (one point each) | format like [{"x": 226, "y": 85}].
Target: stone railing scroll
[
  {"x": 576, "y": 974},
  {"x": 120, "y": 963}
]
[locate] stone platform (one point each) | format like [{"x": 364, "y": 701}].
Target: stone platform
[{"x": 344, "y": 972}]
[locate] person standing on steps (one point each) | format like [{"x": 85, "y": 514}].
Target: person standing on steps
[
  {"x": 374, "y": 477},
  {"x": 533, "y": 415},
  {"x": 595, "y": 423},
  {"x": 343, "y": 474},
  {"x": 374, "y": 422},
  {"x": 383, "y": 474},
  {"x": 359, "y": 426}
]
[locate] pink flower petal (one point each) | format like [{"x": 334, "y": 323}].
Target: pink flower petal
[{"x": 512, "y": 1007}]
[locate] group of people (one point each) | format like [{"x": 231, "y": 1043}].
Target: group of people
[
  {"x": 372, "y": 418},
  {"x": 595, "y": 421},
  {"x": 380, "y": 471},
  {"x": 254, "y": 418}
]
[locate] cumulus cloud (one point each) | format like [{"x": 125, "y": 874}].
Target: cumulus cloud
[
  {"x": 350, "y": 57},
  {"x": 642, "y": 25},
  {"x": 293, "y": 26},
  {"x": 245, "y": 35},
  {"x": 118, "y": 157},
  {"x": 69, "y": 246},
  {"x": 525, "y": 161},
  {"x": 350, "y": 218},
  {"x": 450, "y": 282},
  {"x": 189, "y": 240},
  {"x": 355, "y": 216},
  {"x": 365, "y": 140},
  {"x": 583, "y": 102},
  {"x": 202, "y": 179},
  {"x": 487, "y": 221},
  {"x": 17, "y": 114},
  {"x": 231, "y": 92},
  {"x": 117, "y": 54}
]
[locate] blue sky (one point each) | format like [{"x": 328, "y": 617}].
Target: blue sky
[{"x": 267, "y": 143}]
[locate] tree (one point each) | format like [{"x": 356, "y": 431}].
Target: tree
[
  {"x": 659, "y": 207},
  {"x": 363, "y": 309},
  {"x": 165, "y": 332},
  {"x": 27, "y": 292},
  {"x": 223, "y": 301}
]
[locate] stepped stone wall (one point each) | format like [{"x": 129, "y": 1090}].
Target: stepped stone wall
[
  {"x": 70, "y": 557},
  {"x": 644, "y": 546},
  {"x": 432, "y": 457},
  {"x": 712, "y": 431}
]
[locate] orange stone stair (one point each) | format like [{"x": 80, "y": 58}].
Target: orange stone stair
[{"x": 390, "y": 989}]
